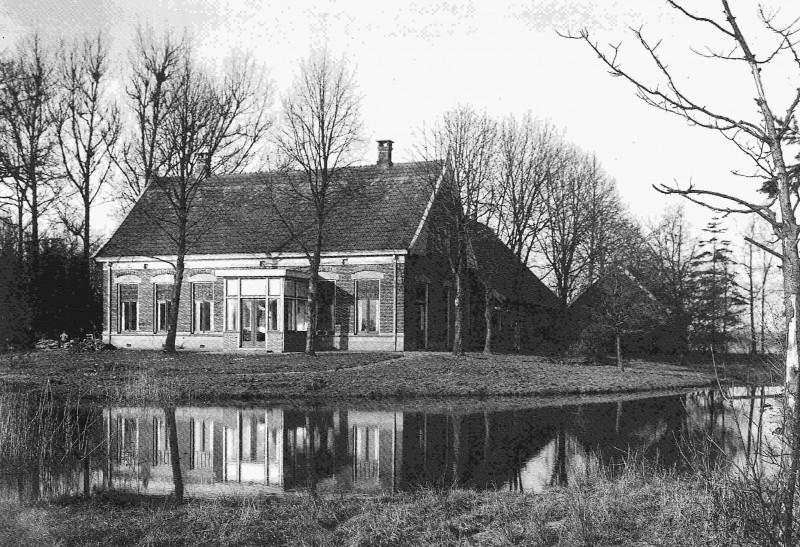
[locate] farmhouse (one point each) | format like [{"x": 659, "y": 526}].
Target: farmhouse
[{"x": 384, "y": 286}]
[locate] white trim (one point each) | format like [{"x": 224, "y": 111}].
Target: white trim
[
  {"x": 260, "y": 256},
  {"x": 163, "y": 279},
  {"x": 427, "y": 208},
  {"x": 366, "y": 274},
  {"x": 202, "y": 278},
  {"x": 128, "y": 280},
  {"x": 252, "y": 272},
  {"x": 329, "y": 276}
]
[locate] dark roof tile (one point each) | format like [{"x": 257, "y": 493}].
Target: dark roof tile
[{"x": 242, "y": 214}]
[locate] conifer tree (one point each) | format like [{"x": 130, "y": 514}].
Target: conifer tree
[{"x": 718, "y": 299}]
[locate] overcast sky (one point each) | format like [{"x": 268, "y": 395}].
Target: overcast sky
[{"x": 415, "y": 60}]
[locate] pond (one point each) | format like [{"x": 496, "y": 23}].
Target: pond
[{"x": 50, "y": 449}]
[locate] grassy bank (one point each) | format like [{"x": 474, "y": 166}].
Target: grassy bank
[
  {"x": 633, "y": 509},
  {"x": 198, "y": 377}
]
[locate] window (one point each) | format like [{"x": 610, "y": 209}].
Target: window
[
  {"x": 367, "y": 305},
  {"x": 232, "y": 313},
  {"x": 232, "y": 304},
  {"x": 203, "y": 305},
  {"x": 326, "y": 293},
  {"x": 254, "y": 287},
  {"x": 295, "y": 305},
  {"x": 128, "y": 307},
  {"x": 272, "y": 314},
  {"x": 274, "y": 292},
  {"x": 163, "y": 296}
]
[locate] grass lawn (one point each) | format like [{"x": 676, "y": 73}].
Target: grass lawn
[{"x": 207, "y": 377}]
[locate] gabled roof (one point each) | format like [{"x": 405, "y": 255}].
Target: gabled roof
[
  {"x": 242, "y": 214},
  {"x": 506, "y": 274}
]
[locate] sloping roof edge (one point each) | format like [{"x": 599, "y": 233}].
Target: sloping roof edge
[{"x": 428, "y": 208}]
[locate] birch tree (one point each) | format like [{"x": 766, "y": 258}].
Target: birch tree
[{"x": 768, "y": 54}]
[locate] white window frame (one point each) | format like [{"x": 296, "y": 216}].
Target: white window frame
[
  {"x": 196, "y": 312},
  {"x": 121, "y": 314},
  {"x": 357, "y": 329}
]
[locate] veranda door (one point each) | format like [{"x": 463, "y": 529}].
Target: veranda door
[{"x": 254, "y": 323}]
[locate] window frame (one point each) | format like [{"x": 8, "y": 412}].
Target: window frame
[
  {"x": 157, "y": 309},
  {"x": 197, "y": 312},
  {"x": 357, "y": 314},
  {"x": 292, "y": 303},
  {"x": 121, "y": 305}
]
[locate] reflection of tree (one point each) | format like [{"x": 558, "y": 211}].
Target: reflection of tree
[
  {"x": 174, "y": 453},
  {"x": 559, "y": 477}
]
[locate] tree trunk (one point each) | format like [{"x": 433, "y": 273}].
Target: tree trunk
[
  {"x": 488, "y": 314},
  {"x": 175, "y": 301},
  {"x": 34, "y": 259},
  {"x": 311, "y": 334},
  {"x": 753, "y": 343},
  {"x": 313, "y": 284},
  {"x": 763, "y": 312},
  {"x": 87, "y": 254},
  {"x": 458, "y": 315},
  {"x": 174, "y": 454},
  {"x": 791, "y": 276},
  {"x": 618, "y": 345}
]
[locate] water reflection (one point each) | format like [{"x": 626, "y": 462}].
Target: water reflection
[{"x": 231, "y": 451}]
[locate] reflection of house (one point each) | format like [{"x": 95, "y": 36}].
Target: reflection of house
[
  {"x": 383, "y": 286},
  {"x": 230, "y": 451},
  {"x": 238, "y": 449}
]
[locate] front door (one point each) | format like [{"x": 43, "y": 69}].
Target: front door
[{"x": 254, "y": 323}]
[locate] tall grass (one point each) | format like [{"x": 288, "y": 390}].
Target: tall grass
[{"x": 47, "y": 445}]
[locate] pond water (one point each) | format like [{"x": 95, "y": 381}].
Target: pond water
[{"x": 49, "y": 449}]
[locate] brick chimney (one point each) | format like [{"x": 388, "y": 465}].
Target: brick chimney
[{"x": 385, "y": 153}]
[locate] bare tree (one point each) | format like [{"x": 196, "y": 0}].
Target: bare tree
[
  {"x": 88, "y": 128},
  {"x": 152, "y": 90},
  {"x": 28, "y": 143},
  {"x": 202, "y": 125},
  {"x": 320, "y": 134},
  {"x": 530, "y": 153},
  {"x": 213, "y": 128},
  {"x": 459, "y": 152},
  {"x": 763, "y": 139},
  {"x": 669, "y": 249},
  {"x": 579, "y": 207}
]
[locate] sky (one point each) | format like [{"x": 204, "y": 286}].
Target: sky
[{"x": 416, "y": 60}]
